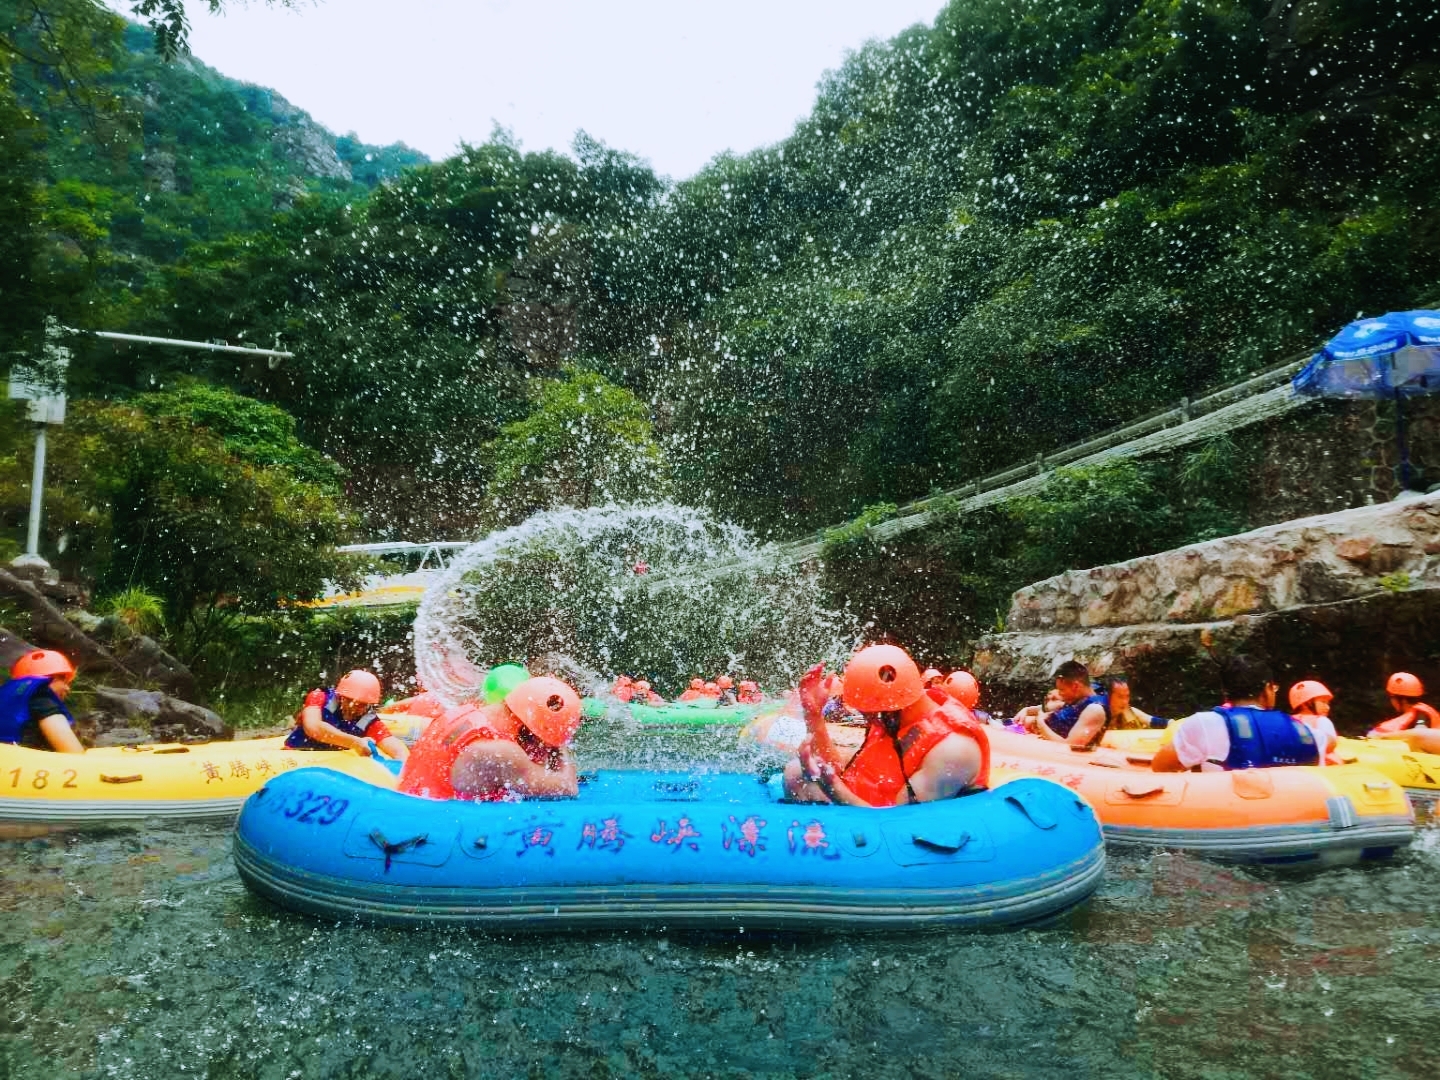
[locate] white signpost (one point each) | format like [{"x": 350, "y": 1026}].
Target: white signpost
[{"x": 41, "y": 383}]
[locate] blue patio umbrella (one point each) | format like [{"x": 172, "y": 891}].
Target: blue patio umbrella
[{"x": 1393, "y": 356}]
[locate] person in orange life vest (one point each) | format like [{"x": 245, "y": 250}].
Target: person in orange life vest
[
  {"x": 1405, "y": 691},
  {"x": 510, "y": 750},
  {"x": 911, "y": 753},
  {"x": 711, "y": 690},
  {"x": 344, "y": 718},
  {"x": 1246, "y": 733},
  {"x": 32, "y": 704},
  {"x": 1310, "y": 704},
  {"x": 696, "y": 691},
  {"x": 749, "y": 693},
  {"x": 624, "y": 688},
  {"x": 726, "y": 686},
  {"x": 1080, "y": 719},
  {"x": 645, "y": 696}
]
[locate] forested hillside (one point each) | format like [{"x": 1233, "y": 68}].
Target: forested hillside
[{"x": 991, "y": 236}]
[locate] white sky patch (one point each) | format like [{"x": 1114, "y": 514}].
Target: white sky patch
[{"x": 674, "y": 81}]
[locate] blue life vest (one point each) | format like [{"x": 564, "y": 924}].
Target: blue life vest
[
  {"x": 330, "y": 713},
  {"x": 1265, "y": 739},
  {"x": 15, "y": 698},
  {"x": 1064, "y": 718}
]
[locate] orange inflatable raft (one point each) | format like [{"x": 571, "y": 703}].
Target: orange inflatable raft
[{"x": 1295, "y": 815}]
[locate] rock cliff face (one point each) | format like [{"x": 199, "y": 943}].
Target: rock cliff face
[
  {"x": 304, "y": 142},
  {"x": 1346, "y": 597}
]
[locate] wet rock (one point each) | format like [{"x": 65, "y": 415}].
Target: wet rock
[
  {"x": 167, "y": 719},
  {"x": 1320, "y": 559}
]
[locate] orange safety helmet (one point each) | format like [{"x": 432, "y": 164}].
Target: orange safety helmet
[
  {"x": 359, "y": 685},
  {"x": 642, "y": 686},
  {"x": 43, "y": 663},
  {"x": 724, "y": 682},
  {"x": 1403, "y": 684},
  {"x": 713, "y": 686},
  {"x": 964, "y": 688},
  {"x": 1307, "y": 691},
  {"x": 547, "y": 707},
  {"x": 748, "y": 685},
  {"x": 882, "y": 678},
  {"x": 697, "y": 684}
]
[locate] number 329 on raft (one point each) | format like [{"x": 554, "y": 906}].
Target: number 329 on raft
[
  {"x": 41, "y": 779},
  {"x": 307, "y": 806}
]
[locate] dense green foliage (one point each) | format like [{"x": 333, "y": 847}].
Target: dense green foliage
[
  {"x": 991, "y": 237},
  {"x": 587, "y": 443}
]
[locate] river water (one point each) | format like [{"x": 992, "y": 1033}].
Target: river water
[{"x": 137, "y": 953}]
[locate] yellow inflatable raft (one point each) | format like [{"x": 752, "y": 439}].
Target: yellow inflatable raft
[
  {"x": 204, "y": 780},
  {"x": 1417, "y": 773}
]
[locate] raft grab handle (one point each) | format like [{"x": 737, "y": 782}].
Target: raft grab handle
[
  {"x": 1138, "y": 791},
  {"x": 120, "y": 779},
  {"x": 1027, "y": 805},
  {"x": 947, "y": 847},
  {"x": 391, "y": 850}
]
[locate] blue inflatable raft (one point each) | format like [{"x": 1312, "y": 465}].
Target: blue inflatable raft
[{"x": 667, "y": 850}]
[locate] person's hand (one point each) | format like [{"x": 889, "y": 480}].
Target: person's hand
[
  {"x": 363, "y": 747},
  {"x": 809, "y": 762},
  {"x": 812, "y": 697}
]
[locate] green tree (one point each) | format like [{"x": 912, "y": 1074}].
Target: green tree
[
  {"x": 215, "y": 522},
  {"x": 587, "y": 443}
]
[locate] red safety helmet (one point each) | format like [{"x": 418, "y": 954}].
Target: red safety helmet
[
  {"x": 43, "y": 663},
  {"x": 547, "y": 707},
  {"x": 964, "y": 688},
  {"x": 724, "y": 682},
  {"x": 1307, "y": 691},
  {"x": 882, "y": 678},
  {"x": 1403, "y": 684},
  {"x": 359, "y": 685},
  {"x": 697, "y": 684}
]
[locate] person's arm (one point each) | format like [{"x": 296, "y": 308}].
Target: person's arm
[
  {"x": 812, "y": 702},
  {"x": 1421, "y": 740},
  {"x": 318, "y": 729},
  {"x": 947, "y": 770},
  {"x": 1044, "y": 730},
  {"x": 392, "y": 747},
  {"x": 1088, "y": 728},
  {"x": 538, "y": 780},
  {"x": 1199, "y": 738},
  {"x": 490, "y": 765},
  {"x": 59, "y": 734}
]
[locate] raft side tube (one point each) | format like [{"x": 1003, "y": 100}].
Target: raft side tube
[{"x": 712, "y": 852}]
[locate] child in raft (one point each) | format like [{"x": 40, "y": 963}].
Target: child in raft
[{"x": 1310, "y": 704}]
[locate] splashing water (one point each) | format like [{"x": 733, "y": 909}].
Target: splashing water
[{"x": 661, "y": 591}]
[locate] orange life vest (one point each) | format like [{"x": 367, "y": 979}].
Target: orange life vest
[
  {"x": 690, "y": 695},
  {"x": 1418, "y": 715},
  {"x": 883, "y": 765},
  {"x": 427, "y": 770}
]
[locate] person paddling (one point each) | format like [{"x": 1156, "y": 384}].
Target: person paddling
[
  {"x": 1405, "y": 692},
  {"x": 912, "y": 751},
  {"x": 32, "y": 704},
  {"x": 343, "y": 717},
  {"x": 1245, "y": 733},
  {"x": 515, "y": 749}
]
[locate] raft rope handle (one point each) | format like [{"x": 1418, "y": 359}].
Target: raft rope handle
[
  {"x": 120, "y": 779},
  {"x": 174, "y": 750},
  {"x": 942, "y": 846},
  {"x": 378, "y": 839},
  {"x": 1418, "y": 767}
]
